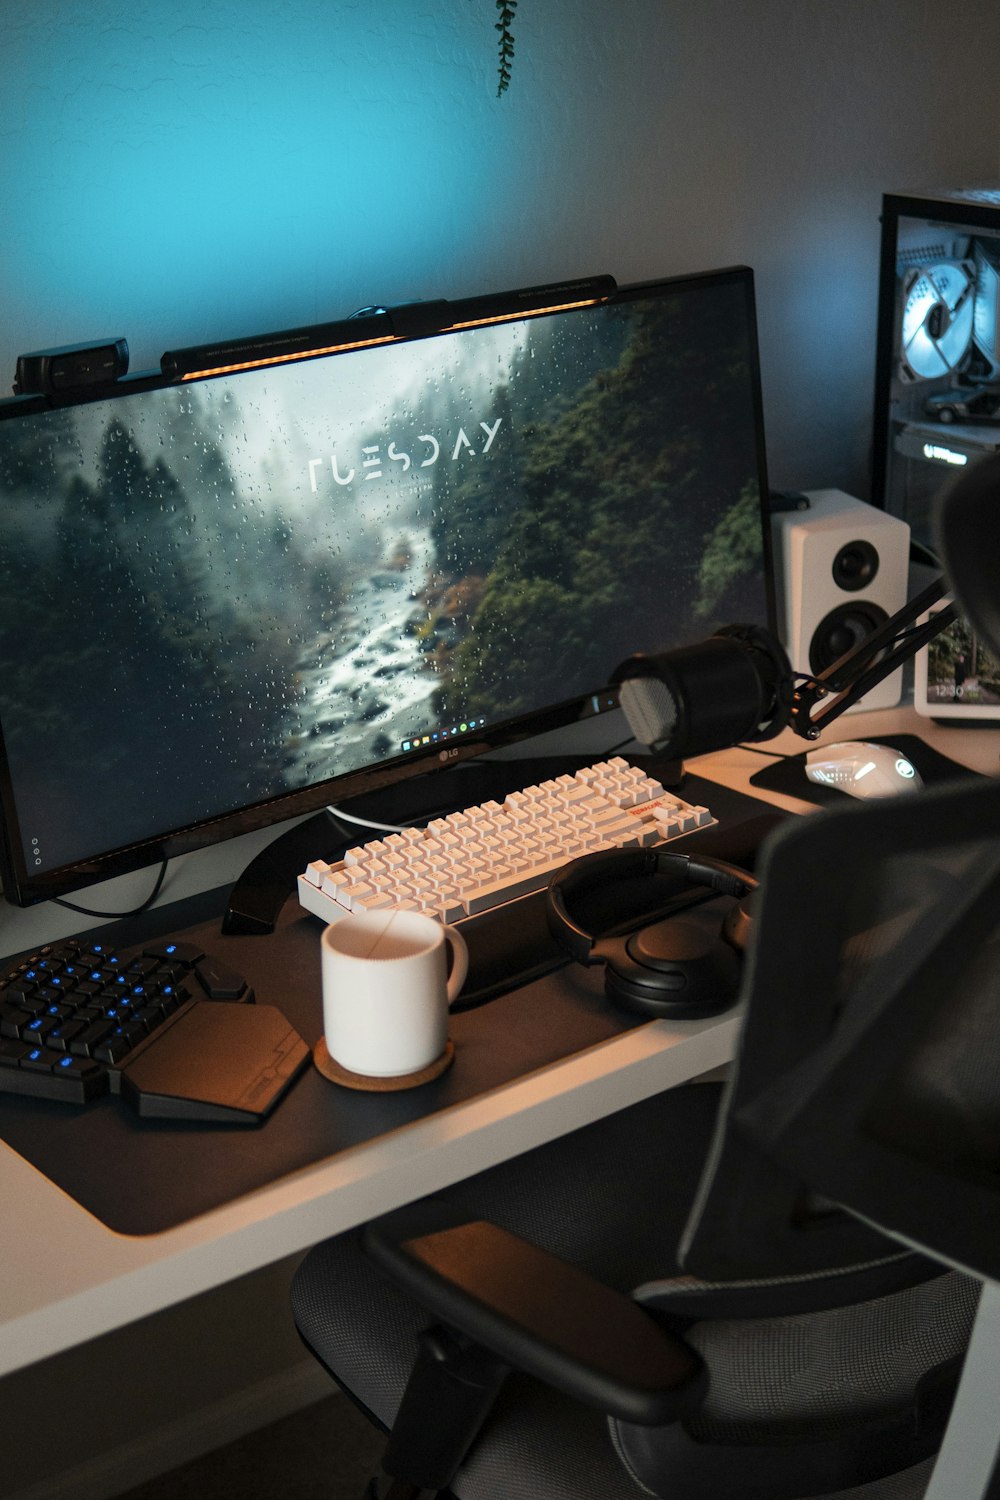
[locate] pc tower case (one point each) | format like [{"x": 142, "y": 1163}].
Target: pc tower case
[{"x": 937, "y": 375}]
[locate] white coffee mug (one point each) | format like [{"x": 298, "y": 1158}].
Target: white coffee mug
[{"x": 386, "y": 990}]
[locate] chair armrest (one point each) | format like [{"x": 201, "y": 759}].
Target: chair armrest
[{"x": 538, "y": 1313}]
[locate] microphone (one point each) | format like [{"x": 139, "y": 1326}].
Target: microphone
[{"x": 735, "y": 687}]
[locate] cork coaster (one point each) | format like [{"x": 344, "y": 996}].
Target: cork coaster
[{"x": 331, "y": 1069}]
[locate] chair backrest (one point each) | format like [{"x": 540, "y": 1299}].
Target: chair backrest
[
  {"x": 867, "y": 1081},
  {"x": 868, "y": 1074}
]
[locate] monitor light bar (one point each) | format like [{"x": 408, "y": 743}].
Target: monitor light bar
[
  {"x": 512, "y": 317},
  {"x": 384, "y": 326},
  {"x": 284, "y": 359}
]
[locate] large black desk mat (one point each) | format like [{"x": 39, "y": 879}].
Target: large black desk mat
[{"x": 144, "y": 1176}]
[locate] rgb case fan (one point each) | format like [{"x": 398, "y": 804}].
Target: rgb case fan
[
  {"x": 986, "y": 319},
  {"x": 936, "y": 328}
]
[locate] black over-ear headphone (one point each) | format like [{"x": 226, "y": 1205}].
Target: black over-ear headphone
[{"x": 675, "y": 967}]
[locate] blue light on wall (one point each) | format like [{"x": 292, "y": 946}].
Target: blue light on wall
[{"x": 205, "y": 168}]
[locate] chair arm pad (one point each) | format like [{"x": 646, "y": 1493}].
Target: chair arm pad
[{"x": 538, "y": 1313}]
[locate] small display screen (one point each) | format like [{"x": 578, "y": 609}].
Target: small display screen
[
  {"x": 218, "y": 595},
  {"x": 957, "y": 677}
]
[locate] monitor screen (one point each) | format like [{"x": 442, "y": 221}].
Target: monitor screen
[{"x": 228, "y": 600}]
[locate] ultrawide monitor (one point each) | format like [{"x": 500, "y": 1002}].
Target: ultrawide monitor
[{"x": 231, "y": 599}]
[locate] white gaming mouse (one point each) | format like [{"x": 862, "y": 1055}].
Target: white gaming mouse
[{"x": 862, "y": 770}]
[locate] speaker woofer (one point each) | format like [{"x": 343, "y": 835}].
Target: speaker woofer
[{"x": 841, "y": 629}]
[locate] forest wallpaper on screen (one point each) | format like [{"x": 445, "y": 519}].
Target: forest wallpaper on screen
[{"x": 214, "y": 594}]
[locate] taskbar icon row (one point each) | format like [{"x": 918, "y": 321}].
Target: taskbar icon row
[{"x": 434, "y": 737}]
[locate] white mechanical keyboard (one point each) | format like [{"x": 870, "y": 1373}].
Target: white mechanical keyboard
[{"x": 471, "y": 861}]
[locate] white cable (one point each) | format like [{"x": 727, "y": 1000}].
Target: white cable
[{"x": 335, "y": 812}]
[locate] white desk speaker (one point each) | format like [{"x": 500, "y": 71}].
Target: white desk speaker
[{"x": 841, "y": 569}]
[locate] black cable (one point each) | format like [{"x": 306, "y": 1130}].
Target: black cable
[
  {"x": 920, "y": 553},
  {"x": 770, "y": 754},
  {"x": 136, "y": 911},
  {"x": 613, "y": 749}
]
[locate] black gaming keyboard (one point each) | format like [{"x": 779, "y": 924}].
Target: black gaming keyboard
[{"x": 171, "y": 1029}]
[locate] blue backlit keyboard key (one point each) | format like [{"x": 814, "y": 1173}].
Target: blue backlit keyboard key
[{"x": 72, "y": 1015}]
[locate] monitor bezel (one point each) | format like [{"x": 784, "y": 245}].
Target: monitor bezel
[{"x": 23, "y": 887}]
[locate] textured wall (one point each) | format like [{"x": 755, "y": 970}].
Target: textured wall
[{"x": 181, "y": 172}]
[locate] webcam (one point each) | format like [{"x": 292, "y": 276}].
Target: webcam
[{"x": 51, "y": 372}]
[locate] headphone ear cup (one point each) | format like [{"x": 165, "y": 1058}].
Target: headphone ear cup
[
  {"x": 738, "y": 923},
  {"x": 678, "y": 967}
]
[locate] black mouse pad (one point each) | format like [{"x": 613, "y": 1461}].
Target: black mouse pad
[
  {"x": 789, "y": 774},
  {"x": 140, "y": 1176}
]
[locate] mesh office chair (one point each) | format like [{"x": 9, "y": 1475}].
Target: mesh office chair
[{"x": 697, "y": 1324}]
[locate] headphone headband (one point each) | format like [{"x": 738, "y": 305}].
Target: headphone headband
[{"x": 592, "y": 870}]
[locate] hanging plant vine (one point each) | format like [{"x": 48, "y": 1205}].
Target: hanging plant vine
[{"x": 506, "y": 9}]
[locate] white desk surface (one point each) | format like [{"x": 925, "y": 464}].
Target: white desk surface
[{"x": 65, "y": 1277}]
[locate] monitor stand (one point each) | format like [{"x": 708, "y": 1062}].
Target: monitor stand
[{"x": 269, "y": 879}]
